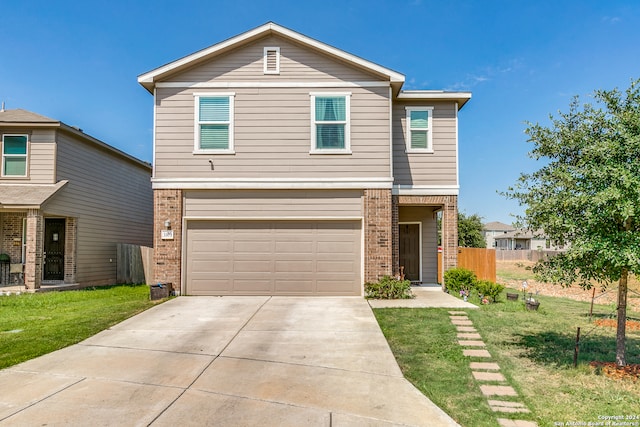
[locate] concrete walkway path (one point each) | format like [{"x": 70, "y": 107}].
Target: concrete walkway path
[
  {"x": 224, "y": 361},
  {"x": 426, "y": 296}
]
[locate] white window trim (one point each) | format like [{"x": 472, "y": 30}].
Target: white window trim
[
  {"x": 197, "y": 122},
  {"x": 264, "y": 60},
  {"x": 347, "y": 123},
  {"x": 429, "y": 148},
  {"x": 26, "y": 156}
]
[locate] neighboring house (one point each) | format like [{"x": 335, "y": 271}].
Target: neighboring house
[
  {"x": 493, "y": 229},
  {"x": 285, "y": 166},
  {"x": 526, "y": 240},
  {"x": 66, "y": 200}
]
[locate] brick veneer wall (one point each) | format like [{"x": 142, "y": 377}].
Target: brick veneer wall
[
  {"x": 167, "y": 254},
  {"x": 33, "y": 264},
  {"x": 378, "y": 234},
  {"x": 395, "y": 235},
  {"x": 70, "y": 250},
  {"x": 11, "y": 223}
]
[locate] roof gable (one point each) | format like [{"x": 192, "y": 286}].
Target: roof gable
[
  {"x": 297, "y": 62},
  {"x": 149, "y": 79}
]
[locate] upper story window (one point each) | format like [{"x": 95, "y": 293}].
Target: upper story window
[
  {"x": 214, "y": 123},
  {"x": 330, "y": 131},
  {"x": 419, "y": 132},
  {"x": 14, "y": 155},
  {"x": 271, "y": 60}
]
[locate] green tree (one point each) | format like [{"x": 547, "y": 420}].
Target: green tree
[
  {"x": 470, "y": 231},
  {"x": 588, "y": 193}
]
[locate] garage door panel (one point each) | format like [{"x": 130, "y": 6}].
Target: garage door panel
[
  {"x": 273, "y": 258},
  {"x": 336, "y": 247},
  {"x": 210, "y": 266},
  {"x": 252, "y": 246},
  {"x": 291, "y": 266},
  {"x": 211, "y": 245},
  {"x": 330, "y": 287},
  {"x": 209, "y": 286},
  {"x": 252, "y": 267},
  {"x": 336, "y": 266},
  {"x": 293, "y": 247},
  {"x": 294, "y": 287},
  {"x": 252, "y": 285}
]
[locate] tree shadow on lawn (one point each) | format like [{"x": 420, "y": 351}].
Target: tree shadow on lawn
[{"x": 552, "y": 348}]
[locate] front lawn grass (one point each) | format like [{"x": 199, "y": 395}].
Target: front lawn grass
[
  {"x": 535, "y": 352},
  {"x": 35, "y": 324}
]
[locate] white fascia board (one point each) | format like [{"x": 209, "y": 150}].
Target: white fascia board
[
  {"x": 433, "y": 94},
  {"x": 269, "y": 183},
  {"x": 425, "y": 190},
  {"x": 150, "y": 76}
]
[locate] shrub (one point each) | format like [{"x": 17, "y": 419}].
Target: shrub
[
  {"x": 457, "y": 279},
  {"x": 388, "y": 288},
  {"x": 489, "y": 289}
]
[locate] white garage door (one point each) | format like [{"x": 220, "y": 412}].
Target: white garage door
[{"x": 273, "y": 258}]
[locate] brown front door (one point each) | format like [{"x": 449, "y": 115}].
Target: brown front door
[
  {"x": 410, "y": 251},
  {"x": 54, "y": 249}
]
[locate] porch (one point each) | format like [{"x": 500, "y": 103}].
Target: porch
[
  {"x": 423, "y": 226},
  {"x": 38, "y": 250}
]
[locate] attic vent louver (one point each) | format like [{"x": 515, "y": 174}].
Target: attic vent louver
[{"x": 271, "y": 60}]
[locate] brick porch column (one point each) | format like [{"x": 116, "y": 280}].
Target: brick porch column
[
  {"x": 70, "y": 250},
  {"x": 377, "y": 234},
  {"x": 34, "y": 245},
  {"x": 395, "y": 234},
  {"x": 450, "y": 233},
  {"x": 167, "y": 254}
]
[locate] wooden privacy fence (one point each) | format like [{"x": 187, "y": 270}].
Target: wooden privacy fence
[
  {"x": 524, "y": 255},
  {"x": 134, "y": 264},
  {"x": 479, "y": 260}
]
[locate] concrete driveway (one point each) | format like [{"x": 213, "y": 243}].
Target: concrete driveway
[{"x": 224, "y": 361}]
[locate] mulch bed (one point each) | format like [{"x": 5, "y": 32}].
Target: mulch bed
[{"x": 610, "y": 369}]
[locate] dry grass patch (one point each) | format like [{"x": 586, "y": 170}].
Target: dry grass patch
[{"x": 513, "y": 273}]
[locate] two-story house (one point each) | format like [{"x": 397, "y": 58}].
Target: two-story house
[
  {"x": 285, "y": 166},
  {"x": 66, "y": 200}
]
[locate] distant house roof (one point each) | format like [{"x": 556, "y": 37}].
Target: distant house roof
[
  {"x": 497, "y": 226},
  {"x": 20, "y": 118},
  {"x": 520, "y": 234},
  {"x": 19, "y": 115},
  {"x": 28, "y": 196}
]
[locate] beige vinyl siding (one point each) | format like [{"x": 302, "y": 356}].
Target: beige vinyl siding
[
  {"x": 437, "y": 168},
  {"x": 41, "y": 156},
  {"x": 112, "y": 200},
  {"x": 272, "y": 136},
  {"x": 273, "y": 204},
  {"x": 426, "y": 216},
  {"x": 296, "y": 63}
]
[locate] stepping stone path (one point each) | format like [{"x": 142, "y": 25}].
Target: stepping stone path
[{"x": 486, "y": 371}]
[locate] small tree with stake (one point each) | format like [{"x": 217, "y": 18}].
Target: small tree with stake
[{"x": 588, "y": 194}]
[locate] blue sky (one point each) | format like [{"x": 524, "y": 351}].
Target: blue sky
[{"x": 78, "y": 61}]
